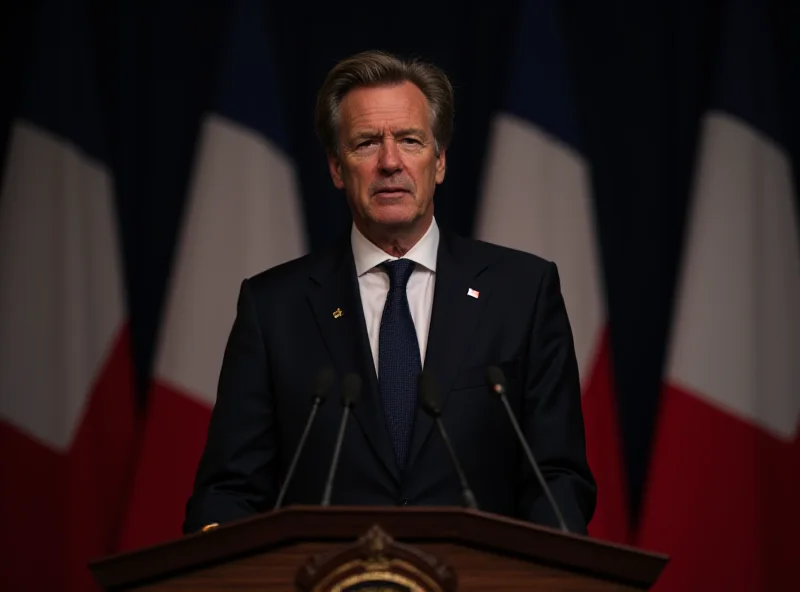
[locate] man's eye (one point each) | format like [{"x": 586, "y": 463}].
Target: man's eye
[
  {"x": 365, "y": 143},
  {"x": 410, "y": 141}
]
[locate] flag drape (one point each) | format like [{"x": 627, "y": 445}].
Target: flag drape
[
  {"x": 243, "y": 216},
  {"x": 537, "y": 198},
  {"x": 67, "y": 421},
  {"x": 721, "y": 497}
]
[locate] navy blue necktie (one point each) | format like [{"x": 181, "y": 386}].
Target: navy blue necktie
[{"x": 399, "y": 363}]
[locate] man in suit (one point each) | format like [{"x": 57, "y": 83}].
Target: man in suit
[{"x": 396, "y": 295}]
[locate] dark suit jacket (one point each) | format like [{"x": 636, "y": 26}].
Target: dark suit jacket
[{"x": 285, "y": 331}]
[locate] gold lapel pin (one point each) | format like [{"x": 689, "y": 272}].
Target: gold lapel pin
[{"x": 337, "y": 313}]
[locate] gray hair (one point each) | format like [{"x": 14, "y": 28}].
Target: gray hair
[{"x": 377, "y": 68}]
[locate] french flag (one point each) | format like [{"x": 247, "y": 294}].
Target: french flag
[
  {"x": 537, "y": 198},
  {"x": 724, "y": 484},
  {"x": 67, "y": 408},
  {"x": 243, "y": 216}
]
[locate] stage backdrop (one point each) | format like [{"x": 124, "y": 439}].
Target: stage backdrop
[{"x": 157, "y": 153}]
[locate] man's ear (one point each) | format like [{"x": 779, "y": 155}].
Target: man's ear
[
  {"x": 335, "y": 168},
  {"x": 441, "y": 166}
]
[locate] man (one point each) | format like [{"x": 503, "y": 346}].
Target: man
[{"x": 395, "y": 296}]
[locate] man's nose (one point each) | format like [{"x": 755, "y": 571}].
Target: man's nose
[{"x": 389, "y": 158}]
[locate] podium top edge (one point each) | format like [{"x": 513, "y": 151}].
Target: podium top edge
[{"x": 475, "y": 528}]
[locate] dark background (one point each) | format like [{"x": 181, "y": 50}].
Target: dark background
[{"x": 643, "y": 72}]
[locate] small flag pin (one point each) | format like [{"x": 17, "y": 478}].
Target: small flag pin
[
  {"x": 337, "y": 313},
  {"x": 473, "y": 293}
]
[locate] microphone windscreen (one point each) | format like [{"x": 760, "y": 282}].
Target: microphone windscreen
[
  {"x": 351, "y": 389},
  {"x": 323, "y": 382},
  {"x": 495, "y": 378},
  {"x": 429, "y": 394}
]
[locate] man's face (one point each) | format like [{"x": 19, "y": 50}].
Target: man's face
[{"x": 387, "y": 161}]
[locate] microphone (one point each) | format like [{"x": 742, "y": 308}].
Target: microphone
[
  {"x": 432, "y": 404},
  {"x": 497, "y": 383},
  {"x": 351, "y": 392},
  {"x": 323, "y": 382}
]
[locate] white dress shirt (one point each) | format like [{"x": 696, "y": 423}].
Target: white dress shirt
[{"x": 373, "y": 284}]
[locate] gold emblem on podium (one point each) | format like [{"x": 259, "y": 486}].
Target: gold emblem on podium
[{"x": 375, "y": 563}]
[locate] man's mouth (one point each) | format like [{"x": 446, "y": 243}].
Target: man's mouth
[{"x": 391, "y": 192}]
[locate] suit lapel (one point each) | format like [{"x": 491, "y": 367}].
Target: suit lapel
[
  {"x": 336, "y": 302},
  {"x": 454, "y": 317}
]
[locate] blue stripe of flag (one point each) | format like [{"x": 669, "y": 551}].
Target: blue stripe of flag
[
  {"x": 541, "y": 88},
  {"x": 60, "y": 92},
  {"x": 746, "y": 86},
  {"x": 247, "y": 90}
]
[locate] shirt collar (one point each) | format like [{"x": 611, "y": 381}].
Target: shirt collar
[{"x": 367, "y": 255}]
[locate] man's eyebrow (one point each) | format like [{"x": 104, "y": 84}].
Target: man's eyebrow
[
  {"x": 370, "y": 134},
  {"x": 410, "y": 131},
  {"x": 365, "y": 135}
]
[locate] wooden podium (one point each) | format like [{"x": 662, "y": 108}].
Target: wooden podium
[{"x": 347, "y": 548}]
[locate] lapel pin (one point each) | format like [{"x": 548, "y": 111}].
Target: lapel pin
[
  {"x": 337, "y": 313},
  {"x": 473, "y": 293}
]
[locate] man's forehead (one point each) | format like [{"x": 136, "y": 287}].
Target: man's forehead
[{"x": 383, "y": 115}]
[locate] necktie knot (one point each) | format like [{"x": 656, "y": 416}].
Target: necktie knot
[{"x": 399, "y": 272}]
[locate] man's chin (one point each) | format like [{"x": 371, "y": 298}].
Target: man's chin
[
  {"x": 394, "y": 216},
  {"x": 395, "y": 221}
]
